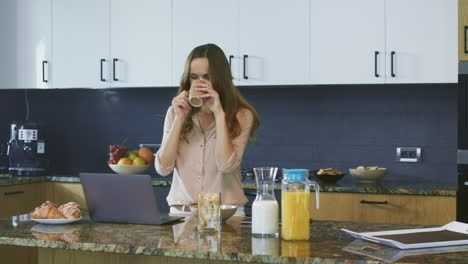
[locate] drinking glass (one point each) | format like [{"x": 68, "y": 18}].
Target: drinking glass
[{"x": 209, "y": 212}]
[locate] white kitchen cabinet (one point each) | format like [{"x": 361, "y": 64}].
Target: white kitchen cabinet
[
  {"x": 81, "y": 39},
  {"x": 141, "y": 35},
  {"x": 201, "y": 22},
  {"x": 416, "y": 41},
  {"x": 347, "y": 41},
  {"x": 273, "y": 42},
  {"x": 119, "y": 43},
  {"x": 422, "y": 35},
  {"x": 265, "y": 41},
  {"x": 26, "y": 43}
]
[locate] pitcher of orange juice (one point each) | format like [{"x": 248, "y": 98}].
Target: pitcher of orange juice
[{"x": 295, "y": 204}]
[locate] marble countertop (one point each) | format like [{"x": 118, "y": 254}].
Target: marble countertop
[
  {"x": 411, "y": 187},
  {"x": 328, "y": 244}
]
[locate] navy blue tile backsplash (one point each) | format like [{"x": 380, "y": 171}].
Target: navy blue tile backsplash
[{"x": 309, "y": 127}]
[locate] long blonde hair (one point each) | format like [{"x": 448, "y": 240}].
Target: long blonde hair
[{"x": 221, "y": 80}]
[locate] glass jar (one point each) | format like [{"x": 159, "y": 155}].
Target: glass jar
[
  {"x": 265, "y": 211},
  {"x": 295, "y": 204}
]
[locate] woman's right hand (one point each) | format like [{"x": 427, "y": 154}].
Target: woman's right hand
[{"x": 181, "y": 105}]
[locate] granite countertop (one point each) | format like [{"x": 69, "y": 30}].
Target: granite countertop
[
  {"x": 412, "y": 187},
  {"x": 328, "y": 244}
]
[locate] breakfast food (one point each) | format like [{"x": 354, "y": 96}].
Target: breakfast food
[
  {"x": 49, "y": 210},
  {"x": 120, "y": 155},
  {"x": 209, "y": 211},
  {"x": 367, "y": 168},
  {"x": 329, "y": 171},
  {"x": 70, "y": 210}
]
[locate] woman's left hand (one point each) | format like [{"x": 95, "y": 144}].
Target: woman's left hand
[{"x": 210, "y": 96}]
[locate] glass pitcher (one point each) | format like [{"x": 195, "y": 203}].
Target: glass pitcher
[
  {"x": 295, "y": 204},
  {"x": 265, "y": 211}
]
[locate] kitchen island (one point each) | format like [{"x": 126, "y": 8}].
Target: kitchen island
[{"x": 86, "y": 242}]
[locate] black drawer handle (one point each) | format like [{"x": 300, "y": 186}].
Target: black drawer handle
[
  {"x": 113, "y": 70},
  {"x": 250, "y": 193},
  {"x": 392, "y": 57},
  {"x": 102, "y": 78},
  {"x": 373, "y": 202},
  {"x": 230, "y": 59},
  {"x": 375, "y": 64},
  {"x": 13, "y": 193},
  {"x": 466, "y": 47},
  {"x": 43, "y": 71},
  {"x": 245, "y": 66}
]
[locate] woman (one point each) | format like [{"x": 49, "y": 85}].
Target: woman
[{"x": 204, "y": 146}]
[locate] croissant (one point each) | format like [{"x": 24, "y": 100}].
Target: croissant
[
  {"x": 70, "y": 210},
  {"x": 47, "y": 210}
]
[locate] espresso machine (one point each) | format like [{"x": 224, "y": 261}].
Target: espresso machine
[
  {"x": 26, "y": 149},
  {"x": 3, "y": 158}
]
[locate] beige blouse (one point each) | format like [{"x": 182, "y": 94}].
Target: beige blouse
[{"x": 196, "y": 168}]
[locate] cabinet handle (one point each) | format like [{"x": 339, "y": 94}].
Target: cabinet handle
[
  {"x": 466, "y": 31},
  {"x": 373, "y": 202},
  {"x": 245, "y": 65},
  {"x": 376, "y": 55},
  {"x": 13, "y": 193},
  {"x": 43, "y": 71},
  {"x": 230, "y": 59},
  {"x": 392, "y": 58},
  {"x": 113, "y": 68},
  {"x": 250, "y": 193},
  {"x": 102, "y": 78}
]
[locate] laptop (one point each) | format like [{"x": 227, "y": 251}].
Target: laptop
[{"x": 122, "y": 198}]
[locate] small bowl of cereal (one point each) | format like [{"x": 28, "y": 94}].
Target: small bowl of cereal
[{"x": 329, "y": 175}]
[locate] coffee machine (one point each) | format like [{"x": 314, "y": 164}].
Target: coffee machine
[
  {"x": 3, "y": 158},
  {"x": 26, "y": 149}
]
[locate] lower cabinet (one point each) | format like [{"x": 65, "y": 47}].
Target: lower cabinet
[
  {"x": 20, "y": 199},
  {"x": 385, "y": 208}
]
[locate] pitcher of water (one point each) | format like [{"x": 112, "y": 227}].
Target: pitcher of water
[{"x": 265, "y": 211}]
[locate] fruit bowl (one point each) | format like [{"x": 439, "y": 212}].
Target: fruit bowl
[
  {"x": 368, "y": 175},
  {"x": 129, "y": 169}
]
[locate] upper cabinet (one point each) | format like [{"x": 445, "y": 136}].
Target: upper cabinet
[
  {"x": 120, "y": 44},
  {"x": 140, "y": 47},
  {"x": 201, "y": 22},
  {"x": 347, "y": 41},
  {"x": 383, "y": 41},
  {"x": 262, "y": 49},
  {"x": 421, "y": 41},
  {"x": 26, "y": 27},
  {"x": 81, "y": 43}
]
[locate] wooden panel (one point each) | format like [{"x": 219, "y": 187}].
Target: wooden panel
[
  {"x": 68, "y": 192},
  {"x": 404, "y": 209},
  {"x": 20, "y": 199},
  {"x": 462, "y": 22},
  {"x": 18, "y": 255},
  {"x": 59, "y": 256}
]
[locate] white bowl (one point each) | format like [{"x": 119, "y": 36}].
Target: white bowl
[
  {"x": 227, "y": 211},
  {"x": 368, "y": 175},
  {"x": 129, "y": 169}
]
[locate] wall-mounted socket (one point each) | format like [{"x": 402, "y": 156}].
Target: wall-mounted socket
[{"x": 408, "y": 154}]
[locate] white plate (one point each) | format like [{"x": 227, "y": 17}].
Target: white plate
[{"x": 55, "y": 221}]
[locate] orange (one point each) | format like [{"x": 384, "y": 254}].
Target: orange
[
  {"x": 146, "y": 154},
  {"x": 125, "y": 161}
]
